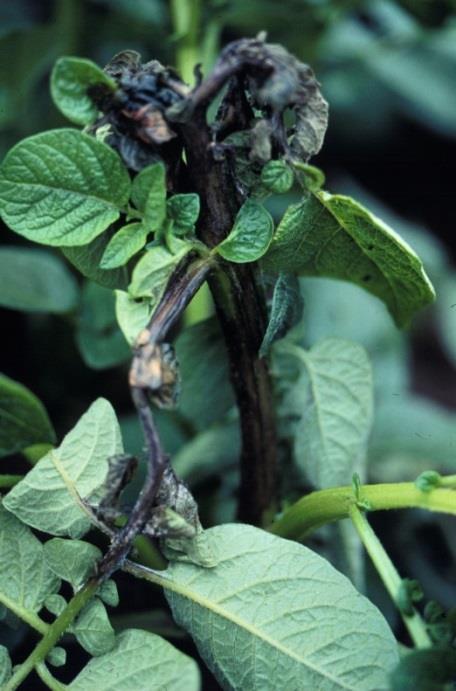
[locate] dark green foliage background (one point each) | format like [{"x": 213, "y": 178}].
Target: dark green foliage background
[{"x": 387, "y": 70}]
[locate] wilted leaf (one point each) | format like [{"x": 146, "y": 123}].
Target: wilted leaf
[{"x": 62, "y": 187}]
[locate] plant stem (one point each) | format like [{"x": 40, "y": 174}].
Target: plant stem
[
  {"x": 448, "y": 481},
  {"x": 50, "y": 681},
  {"x": 328, "y": 505},
  {"x": 186, "y": 18},
  {"x": 389, "y": 575},
  {"x": 7, "y": 481},
  {"x": 54, "y": 632}
]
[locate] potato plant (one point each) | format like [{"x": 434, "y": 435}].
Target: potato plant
[{"x": 156, "y": 190}]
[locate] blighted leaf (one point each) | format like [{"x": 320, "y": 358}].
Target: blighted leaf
[
  {"x": 72, "y": 79},
  {"x": 93, "y": 629},
  {"x": 62, "y": 187},
  {"x": 132, "y": 315},
  {"x": 311, "y": 124},
  {"x": 152, "y": 272},
  {"x": 35, "y": 280},
  {"x": 184, "y": 210},
  {"x": 71, "y": 560},
  {"x": 23, "y": 419},
  {"x": 25, "y": 578},
  {"x": 99, "y": 339},
  {"x": 286, "y": 310},
  {"x": 277, "y": 176},
  {"x": 275, "y": 615},
  {"x": 148, "y": 194},
  {"x": 250, "y": 236},
  {"x": 86, "y": 258},
  {"x": 139, "y": 660},
  {"x": 334, "y": 236},
  {"x": 48, "y": 497},
  {"x": 332, "y": 401},
  {"x": 123, "y": 245}
]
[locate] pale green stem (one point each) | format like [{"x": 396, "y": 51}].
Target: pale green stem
[
  {"x": 26, "y": 615},
  {"x": 186, "y": 19},
  {"x": 328, "y": 505},
  {"x": 50, "y": 681},
  {"x": 54, "y": 632},
  {"x": 448, "y": 481},
  {"x": 389, "y": 575},
  {"x": 7, "y": 481}
]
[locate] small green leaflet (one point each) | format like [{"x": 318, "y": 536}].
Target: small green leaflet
[
  {"x": 139, "y": 660},
  {"x": 333, "y": 402},
  {"x": 250, "y": 236},
  {"x": 132, "y": 315},
  {"x": 152, "y": 272},
  {"x": 57, "y": 657},
  {"x": 71, "y": 560},
  {"x": 148, "y": 194},
  {"x": 184, "y": 210},
  {"x": 93, "y": 629},
  {"x": 35, "y": 280},
  {"x": 334, "y": 236},
  {"x": 71, "y": 80},
  {"x": 124, "y": 245},
  {"x": 86, "y": 259},
  {"x": 277, "y": 176},
  {"x": 23, "y": 419},
  {"x": 62, "y": 187},
  {"x": 286, "y": 311},
  {"x": 25, "y": 577},
  {"x": 48, "y": 498},
  {"x": 272, "y": 615}
]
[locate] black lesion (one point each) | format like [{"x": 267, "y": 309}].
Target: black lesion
[{"x": 367, "y": 278}]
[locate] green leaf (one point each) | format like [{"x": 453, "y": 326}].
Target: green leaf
[
  {"x": 184, "y": 210},
  {"x": 36, "y": 281},
  {"x": 71, "y": 81},
  {"x": 250, "y": 236},
  {"x": 209, "y": 453},
  {"x": 123, "y": 245},
  {"x": 25, "y": 578},
  {"x": 57, "y": 657},
  {"x": 48, "y": 498},
  {"x": 108, "y": 593},
  {"x": 152, "y": 272},
  {"x": 62, "y": 187},
  {"x": 334, "y": 236},
  {"x": 148, "y": 194},
  {"x": 71, "y": 560},
  {"x": 286, "y": 311},
  {"x": 425, "y": 670},
  {"x": 93, "y": 629},
  {"x": 5, "y": 665},
  {"x": 99, "y": 339},
  {"x": 23, "y": 419},
  {"x": 139, "y": 660},
  {"x": 55, "y": 604},
  {"x": 205, "y": 374},
  {"x": 333, "y": 401},
  {"x": 132, "y": 315},
  {"x": 86, "y": 259},
  {"x": 277, "y": 176},
  {"x": 275, "y": 615}
]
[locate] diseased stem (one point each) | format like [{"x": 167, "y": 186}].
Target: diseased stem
[
  {"x": 390, "y": 577},
  {"x": 54, "y": 632},
  {"x": 329, "y": 505}
]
